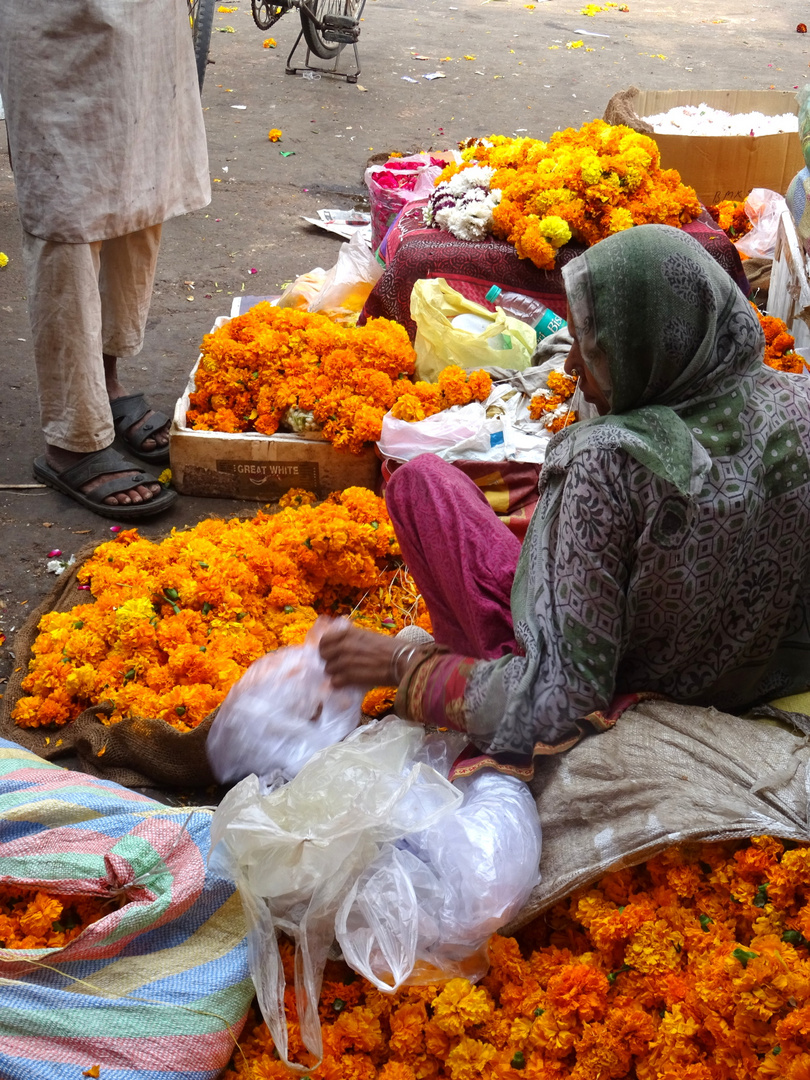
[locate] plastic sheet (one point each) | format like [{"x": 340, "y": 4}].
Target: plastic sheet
[
  {"x": 764, "y": 208},
  {"x": 371, "y": 843},
  {"x": 296, "y": 852},
  {"x": 282, "y": 710},
  {"x": 425, "y": 909}
]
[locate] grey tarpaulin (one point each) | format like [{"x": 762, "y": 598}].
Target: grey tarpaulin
[{"x": 665, "y": 774}]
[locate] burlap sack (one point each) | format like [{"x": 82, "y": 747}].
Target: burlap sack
[
  {"x": 136, "y": 752},
  {"x": 621, "y": 109},
  {"x": 664, "y": 775}
]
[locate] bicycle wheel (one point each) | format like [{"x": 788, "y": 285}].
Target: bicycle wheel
[
  {"x": 201, "y": 17},
  {"x": 326, "y": 50}
]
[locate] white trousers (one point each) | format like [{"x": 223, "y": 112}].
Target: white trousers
[{"x": 85, "y": 300}]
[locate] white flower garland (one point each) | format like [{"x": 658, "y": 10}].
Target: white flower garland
[{"x": 463, "y": 204}]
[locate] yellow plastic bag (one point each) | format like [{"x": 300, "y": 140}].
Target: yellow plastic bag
[{"x": 507, "y": 342}]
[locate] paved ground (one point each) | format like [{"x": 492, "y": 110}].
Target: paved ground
[{"x": 506, "y": 69}]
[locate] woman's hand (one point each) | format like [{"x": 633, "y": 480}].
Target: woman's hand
[{"x": 355, "y": 657}]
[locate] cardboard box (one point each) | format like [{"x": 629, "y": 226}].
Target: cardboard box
[
  {"x": 789, "y": 291},
  {"x": 727, "y": 166},
  {"x": 218, "y": 464}
]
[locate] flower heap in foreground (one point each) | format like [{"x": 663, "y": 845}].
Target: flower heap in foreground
[
  {"x": 174, "y": 624},
  {"x": 580, "y": 185},
  {"x": 274, "y": 367},
  {"x": 692, "y": 966}
]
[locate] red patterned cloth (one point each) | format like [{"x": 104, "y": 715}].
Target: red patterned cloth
[
  {"x": 412, "y": 251},
  {"x": 510, "y": 488}
]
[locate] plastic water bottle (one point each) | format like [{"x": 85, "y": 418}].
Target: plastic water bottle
[{"x": 528, "y": 310}]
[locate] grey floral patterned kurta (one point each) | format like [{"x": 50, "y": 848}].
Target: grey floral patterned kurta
[{"x": 670, "y": 549}]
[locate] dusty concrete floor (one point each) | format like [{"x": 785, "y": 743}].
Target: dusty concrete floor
[{"x": 519, "y": 76}]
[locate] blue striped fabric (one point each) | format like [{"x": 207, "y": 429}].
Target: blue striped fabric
[{"x": 157, "y": 990}]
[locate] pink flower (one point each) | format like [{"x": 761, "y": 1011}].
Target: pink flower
[{"x": 54, "y": 554}]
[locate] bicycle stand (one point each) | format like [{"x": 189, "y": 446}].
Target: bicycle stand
[
  {"x": 344, "y": 30},
  {"x": 350, "y": 77}
]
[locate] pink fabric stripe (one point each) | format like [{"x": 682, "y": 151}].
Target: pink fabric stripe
[
  {"x": 177, "y": 1052},
  {"x": 462, "y": 557}
]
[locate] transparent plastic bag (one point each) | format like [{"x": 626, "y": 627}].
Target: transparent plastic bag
[
  {"x": 425, "y": 909},
  {"x": 301, "y": 292},
  {"x": 282, "y": 710},
  {"x": 296, "y": 852},
  {"x": 764, "y": 208},
  {"x": 345, "y": 288}
]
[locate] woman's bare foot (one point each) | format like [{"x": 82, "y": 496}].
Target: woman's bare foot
[
  {"x": 160, "y": 439},
  {"x": 60, "y": 460}
]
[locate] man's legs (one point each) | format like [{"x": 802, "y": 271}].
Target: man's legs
[
  {"x": 66, "y": 322},
  {"x": 126, "y": 277}
]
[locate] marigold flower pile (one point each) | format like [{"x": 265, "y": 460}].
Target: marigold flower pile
[
  {"x": 33, "y": 919},
  {"x": 274, "y": 367},
  {"x": 730, "y": 216},
  {"x": 174, "y": 624},
  {"x": 779, "y": 344},
  {"x": 454, "y": 386},
  {"x": 549, "y": 403},
  {"x": 261, "y": 365},
  {"x": 692, "y": 966},
  {"x": 581, "y": 185}
]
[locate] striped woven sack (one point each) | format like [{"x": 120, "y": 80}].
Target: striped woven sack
[{"x": 157, "y": 989}]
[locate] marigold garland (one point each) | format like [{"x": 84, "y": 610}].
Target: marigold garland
[
  {"x": 455, "y": 386},
  {"x": 730, "y": 216},
  {"x": 549, "y": 403},
  {"x": 692, "y": 966},
  {"x": 779, "y": 344},
  {"x": 581, "y": 185},
  {"x": 31, "y": 918},
  {"x": 175, "y": 623},
  {"x": 262, "y": 365},
  {"x": 279, "y": 366}
]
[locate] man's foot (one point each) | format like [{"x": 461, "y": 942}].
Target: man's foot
[
  {"x": 134, "y": 420},
  {"x": 105, "y": 483},
  {"x": 61, "y": 460}
]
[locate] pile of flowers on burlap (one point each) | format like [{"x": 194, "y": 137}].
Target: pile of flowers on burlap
[
  {"x": 580, "y": 185},
  {"x": 692, "y": 966},
  {"x": 175, "y": 623},
  {"x": 279, "y": 368}
]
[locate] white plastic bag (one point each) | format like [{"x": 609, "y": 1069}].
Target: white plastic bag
[
  {"x": 296, "y": 852},
  {"x": 346, "y": 286},
  {"x": 425, "y": 909},
  {"x": 282, "y": 710},
  {"x": 764, "y": 208}
]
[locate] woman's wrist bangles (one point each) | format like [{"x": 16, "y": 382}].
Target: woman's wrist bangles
[{"x": 402, "y": 659}]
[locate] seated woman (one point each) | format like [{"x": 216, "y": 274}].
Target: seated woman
[{"x": 668, "y": 552}]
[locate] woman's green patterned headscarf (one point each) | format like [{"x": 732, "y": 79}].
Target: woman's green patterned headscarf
[{"x": 672, "y": 343}]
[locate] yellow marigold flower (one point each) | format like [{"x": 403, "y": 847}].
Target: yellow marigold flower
[
  {"x": 555, "y": 229},
  {"x": 3, "y": 260},
  {"x": 269, "y": 43},
  {"x": 274, "y": 134},
  {"x": 591, "y": 170},
  {"x": 461, "y": 1005},
  {"x": 620, "y": 219},
  {"x": 574, "y": 44}
]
